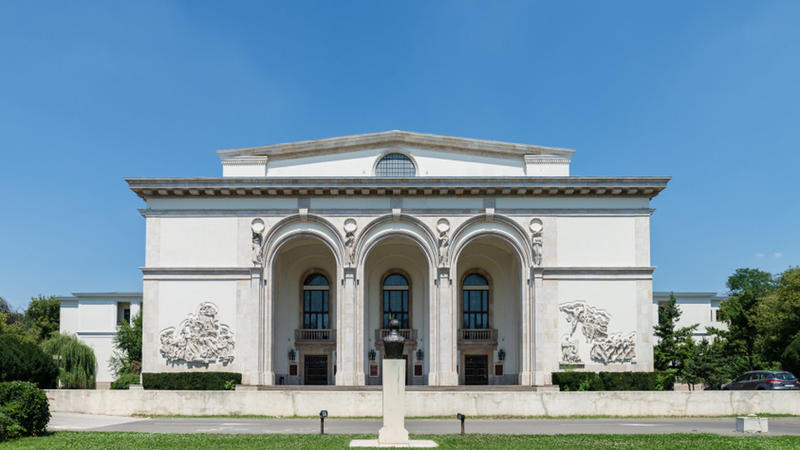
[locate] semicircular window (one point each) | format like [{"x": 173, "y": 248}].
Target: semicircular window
[{"x": 395, "y": 165}]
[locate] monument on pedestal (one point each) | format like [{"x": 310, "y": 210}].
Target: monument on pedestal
[{"x": 393, "y": 433}]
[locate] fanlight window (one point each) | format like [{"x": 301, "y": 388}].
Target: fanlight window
[
  {"x": 395, "y": 300},
  {"x": 316, "y": 302},
  {"x": 395, "y": 165},
  {"x": 475, "y": 293}
]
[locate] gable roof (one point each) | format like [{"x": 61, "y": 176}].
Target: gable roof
[{"x": 393, "y": 138}]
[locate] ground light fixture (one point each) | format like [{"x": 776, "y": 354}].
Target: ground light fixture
[
  {"x": 461, "y": 417},
  {"x": 322, "y": 415}
]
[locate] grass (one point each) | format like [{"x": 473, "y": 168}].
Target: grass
[
  {"x": 101, "y": 440},
  {"x": 452, "y": 417}
]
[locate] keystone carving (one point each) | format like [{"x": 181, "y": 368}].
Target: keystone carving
[
  {"x": 614, "y": 348},
  {"x": 199, "y": 338}
]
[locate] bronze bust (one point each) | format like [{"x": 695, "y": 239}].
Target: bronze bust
[{"x": 394, "y": 342}]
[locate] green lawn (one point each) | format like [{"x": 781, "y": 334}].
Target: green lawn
[{"x": 100, "y": 440}]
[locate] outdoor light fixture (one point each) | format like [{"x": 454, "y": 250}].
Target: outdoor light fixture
[
  {"x": 322, "y": 415},
  {"x": 292, "y": 354},
  {"x": 501, "y": 354},
  {"x": 461, "y": 417},
  {"x": 420, "y": 354},
  {"x": 372, "y": 354}
]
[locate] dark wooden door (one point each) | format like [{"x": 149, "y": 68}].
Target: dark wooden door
[
  {"x": 316, "y": 369},
  {"x": 476, "y": 369}
]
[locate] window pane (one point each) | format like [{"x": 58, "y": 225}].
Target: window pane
[
  {"x": 405, "y": 301},
  {"x": 475, "y": 279},
  {"x": 395, "y": 279},
  {"x": 396, "y": 301},
  {"x": 316, "y": 301},
  {"x": 325, "y": 301},
  {"x": 475, "y": 301},
  {"x": 395, "y": 165},
  {"x": 316, "y": 280}
]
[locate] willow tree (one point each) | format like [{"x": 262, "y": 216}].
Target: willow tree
[{"x": 75, "y": 360}]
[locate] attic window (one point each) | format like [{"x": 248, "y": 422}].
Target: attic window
[{"x": 395, "y": 165}]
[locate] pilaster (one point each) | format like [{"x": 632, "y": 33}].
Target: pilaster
[
  {"x": 443, "y": 332},
  {"x": 349, "y": 337}
]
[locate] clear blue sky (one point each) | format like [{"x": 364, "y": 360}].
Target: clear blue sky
[{"x": 92, "y": 92}]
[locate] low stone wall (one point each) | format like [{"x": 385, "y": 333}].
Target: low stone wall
[{"x": 360, "y": 403}]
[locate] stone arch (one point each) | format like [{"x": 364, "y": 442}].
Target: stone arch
[
  {"x": 495, "y": 225},
  {"x": 301, "y": 226},
  {"x": 404, "y": 226}
]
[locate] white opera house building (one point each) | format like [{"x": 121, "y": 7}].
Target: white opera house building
[{"x": 500, "y": 266}]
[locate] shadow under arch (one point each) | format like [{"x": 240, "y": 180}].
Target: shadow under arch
[
  {"x": 391, "y": 226},
  {"x": 295, "y": 226}
]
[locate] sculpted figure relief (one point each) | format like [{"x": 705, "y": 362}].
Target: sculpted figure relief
[
  {"x": 199, "y": 338},
  {"x": 614, "y": 348},
  {"x": 569, "y": 351},
  {"x": 444, "y": 242}
]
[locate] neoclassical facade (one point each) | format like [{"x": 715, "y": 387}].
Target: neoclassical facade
[{"x": 501, "y": 267}]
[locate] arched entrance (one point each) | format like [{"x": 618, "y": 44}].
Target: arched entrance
[
  {"x": 396, "y": 285},
  {"x": 489, "y": 291},
  {"x": 304, "y": 292}
]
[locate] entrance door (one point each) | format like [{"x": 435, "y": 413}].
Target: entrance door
[
  {"x": 316, "y": 369},
  {"x": 476, "y": 369}
]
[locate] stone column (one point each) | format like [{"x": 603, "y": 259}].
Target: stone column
[
  {"x": 443, "y": 332},
  {"x": 526, "y": 328},
  {"x": 349, "y": 326},
  {"x": 267, "y": 316}
]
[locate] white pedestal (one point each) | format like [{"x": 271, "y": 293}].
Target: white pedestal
[
  {"x": 393, "y": 433},
  {"x": 394, "y": 403}
]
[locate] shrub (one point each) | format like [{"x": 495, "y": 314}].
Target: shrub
[
  {"x": 26, "y": 405},
  {"x": 614, "y": 381},
  {"x": 198, "y": 381},
  {"x": 125, "y": 381},
  {"x": 9, "y": 428},
  {"x": 23, "y": 361},
  {"x": 76, "y": 362}
]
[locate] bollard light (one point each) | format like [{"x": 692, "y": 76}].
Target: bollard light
[
  {"x": 461, "y": 417},
  {"x": 322, "y": 415}
]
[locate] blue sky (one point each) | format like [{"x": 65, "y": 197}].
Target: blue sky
[{"x": 93, "y": 92}]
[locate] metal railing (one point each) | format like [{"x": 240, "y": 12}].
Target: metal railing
[
  {"x": 410, "y": 334},
  {"x": 315, "y": 335},
  {"x": 477, "y": 335}
]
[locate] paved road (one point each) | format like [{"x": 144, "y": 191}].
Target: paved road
[{"x": 725, "y": 426}]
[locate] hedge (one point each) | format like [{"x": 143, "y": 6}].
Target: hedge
[
  {"x": 23, "y": 361},
  {"x": 197, "y": 381},
  {"x": 23, "y": 410},
  {"x": 125, "y": 381},
  {"x": 614, "y": 381}
]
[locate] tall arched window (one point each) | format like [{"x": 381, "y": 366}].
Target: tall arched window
[
  {"x": 475, "y": 294},
  {"x": 395, "y": 299},
  {"x": 316, "y": 302},
  {"x": 395, "y": 165}
]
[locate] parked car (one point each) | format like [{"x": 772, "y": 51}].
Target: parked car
[{"x": 763, "y": 379}]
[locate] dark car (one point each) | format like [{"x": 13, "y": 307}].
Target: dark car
[{"x": 763, "y": 379}]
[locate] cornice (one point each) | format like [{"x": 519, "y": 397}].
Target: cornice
[
  {"x": 391, "y": 138},
  {"x": 417, "y": 186}
]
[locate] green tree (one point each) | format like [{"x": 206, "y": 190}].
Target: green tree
[
  {"x": 42, "y": 316},
  {"x": 748, "y": 287},
  {"x": 675, "y": 346},
  {"x": 75, "y": 360},
  {"x": 778, "y": 316},
  {"x": 127, "y": 357}
]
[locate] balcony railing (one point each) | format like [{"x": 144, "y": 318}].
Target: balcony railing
[
  {"x": 477, "y": 335},
  {"x": 410, "y": 334},
  {"x": 314, "y": 335}
]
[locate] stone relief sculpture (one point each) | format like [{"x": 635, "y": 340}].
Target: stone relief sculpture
[
  {"x": 569, "y": 351},
  {"x": 615, "y": 348},
  {"x": 350, "y": 227},
  {"x": 443, "y": 227},
  {"x": 257, "y": 227},
  {"x": 606, "y": 348},
  {"x": 199, "y": 338},
  {"x": 536, "y": 228}
]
